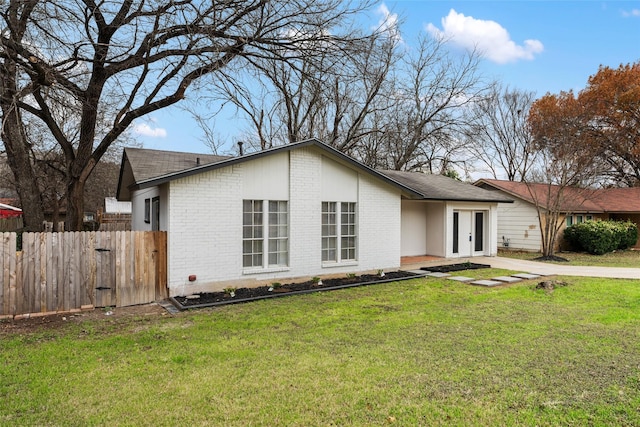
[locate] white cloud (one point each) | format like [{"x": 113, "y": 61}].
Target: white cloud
[
  {"x": 388, "y": 22},
  {"x": 631, "y": 13},
  {"x": 146, "y": 130},
  {"x": 488, "y": 37}
]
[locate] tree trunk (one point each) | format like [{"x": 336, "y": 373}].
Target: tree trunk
[
  {"x": 55, "y": 215},
  {"x": 26, "y": 184},
  {"x": 75, "y": 205}
]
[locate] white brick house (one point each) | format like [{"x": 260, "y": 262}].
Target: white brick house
[{"x": 299, "y": 210}]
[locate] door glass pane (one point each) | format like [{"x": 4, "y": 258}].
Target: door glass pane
[
  {"x": 479, "y": 232},
  {"x": 455, "y": 232}
]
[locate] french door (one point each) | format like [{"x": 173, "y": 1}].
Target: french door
[{"x": 468, "y": 233}]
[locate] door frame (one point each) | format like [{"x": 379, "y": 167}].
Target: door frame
[{"x": 464, "y": 232}]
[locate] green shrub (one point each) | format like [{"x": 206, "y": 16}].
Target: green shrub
[
  {"x": 628, "y": 234},
  {"x": 570, "y": 237},
  {"x": 600, "y": 237}
]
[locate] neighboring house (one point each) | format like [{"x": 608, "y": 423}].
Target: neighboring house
[
  {"x": 10, "y": 216},
  {"x": 8, "y": 211},
  {"x": 114, "y": 206},
  {"x": 518, "y": 225},
  {"x": 294, "y": 211},
  {"x": 116, "y": 215}
]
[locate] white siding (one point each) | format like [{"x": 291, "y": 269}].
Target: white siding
[
  {"x": 518, "y": 222},
  {"x": 338, "y": 182},
  {"x": 414, "y": 228},
  {"x": 138, "y": 198},
  {"x": 267, "y": 178},
  {"x": 436, "y": 229}
]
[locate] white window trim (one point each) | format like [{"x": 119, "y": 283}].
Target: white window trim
[
  {"x": 265, "y": 267},
  {"x": 339, "y": 262},
  {"x": 263, "y": 270}
]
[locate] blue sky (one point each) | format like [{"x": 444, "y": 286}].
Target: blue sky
[{"x": 541, "y": 46}]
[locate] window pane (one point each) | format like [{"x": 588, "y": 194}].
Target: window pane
[
  {"x": 278, "y": 233},
  {"x": 252, "y": 233},
  {"x": 455, "y": 232},
  {"x": 246, "y": 261},
  {"x": 479, "y": 232}
]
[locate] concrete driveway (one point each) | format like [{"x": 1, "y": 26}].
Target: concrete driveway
[{"x": 559, "y": 269}]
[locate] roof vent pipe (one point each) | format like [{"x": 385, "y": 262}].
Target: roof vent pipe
[
  {"x": 198, "y": 161},
  {"x": 240, "y": 147}
]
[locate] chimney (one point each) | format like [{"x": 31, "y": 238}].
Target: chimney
[
  {"x": 197, "y": 161},
  {"x": 240, "y": 147}
]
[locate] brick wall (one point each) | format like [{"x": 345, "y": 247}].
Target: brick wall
[{"x": 205, "y": 226}]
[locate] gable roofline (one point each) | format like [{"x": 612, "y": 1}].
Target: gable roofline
[
  {"x": 121, "y": 173},
  {"x": 138, "y": 164},
  {"x": 442, "y": 188},
  {"x": 313, "y": 142},
  {"x": 9, "y": 207},
  {"x": 522, "y": 191}
]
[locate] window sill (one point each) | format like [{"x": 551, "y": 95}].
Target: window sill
[
  {"x": 263, "y": 270},
  {"x": 339, "y": 264}
]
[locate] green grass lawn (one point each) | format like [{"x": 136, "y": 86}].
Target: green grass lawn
[
  {"x": 628, "y": 258},
  {"x": 419, "y": 352}
]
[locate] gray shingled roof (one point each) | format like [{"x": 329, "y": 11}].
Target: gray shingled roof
[
  {"x": 439, "y": 187},
  {"x": 139, "y": 164},
  {"x": 147, "y": 163},
  {"x": 142, "y": 168}
]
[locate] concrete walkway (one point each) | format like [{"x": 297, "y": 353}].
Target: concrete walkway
[{"x": 544, "y": 268}]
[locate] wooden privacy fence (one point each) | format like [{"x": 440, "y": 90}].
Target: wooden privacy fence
[{"x": 60, "y": 272}]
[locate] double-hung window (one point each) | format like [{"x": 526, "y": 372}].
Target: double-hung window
[
  {"x": 265, "y": 233},
  {"x": 339, "y": 232}
]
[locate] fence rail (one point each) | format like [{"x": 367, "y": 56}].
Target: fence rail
[{"x": 62, "y": 272}]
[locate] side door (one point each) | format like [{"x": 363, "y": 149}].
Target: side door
[{"x": 462, "y": 238}]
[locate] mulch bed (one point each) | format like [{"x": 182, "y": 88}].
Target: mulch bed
[
  {"x": 455, "y": 267},
  {"x": 209, "y": 299},
  {"x": 553, "y": 258}
]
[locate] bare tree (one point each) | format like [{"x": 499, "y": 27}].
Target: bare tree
[
  {"x": 561, "y": 180},
  {"x": 423, "y": 127},
  {"x": 499, "y": 132},
  {"x": 326, "y": 96},
  {"x": 123, "y": 60},
  {"x": 387, "y": 104}
]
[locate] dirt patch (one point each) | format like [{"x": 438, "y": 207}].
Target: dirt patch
[
  {"x": 550, "y": 285},
  {"x": 448, "y": 268},
  {"x": 60, "y": 320},
  {"x": 249, "y": 294}
]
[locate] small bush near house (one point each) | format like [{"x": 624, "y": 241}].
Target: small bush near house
[
  {"x": 600, "y": 237},
  {"x": 628, "y": 234}
]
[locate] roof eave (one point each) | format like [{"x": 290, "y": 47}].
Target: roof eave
[
  {"x": 159, "y": 180},
  {"x": 451, "y": 199}
]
